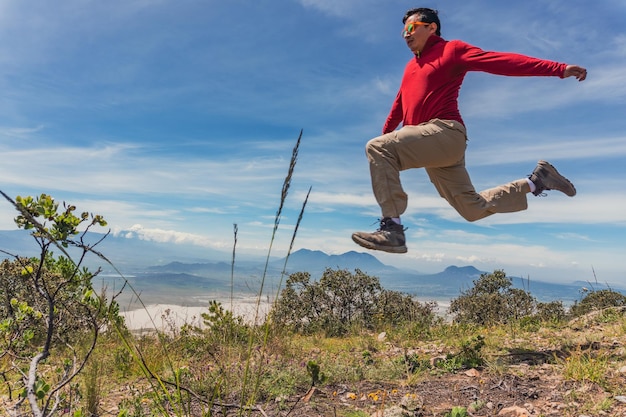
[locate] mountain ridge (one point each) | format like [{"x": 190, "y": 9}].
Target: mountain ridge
[{"x": 155, "y": 267}]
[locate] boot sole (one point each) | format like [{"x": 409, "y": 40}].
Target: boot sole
[
  {"x": 548, "y": 166},
  {"x": 370, "y": 245}
]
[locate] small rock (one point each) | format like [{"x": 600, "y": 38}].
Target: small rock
[
  {"x": 394, "y": 411},
  {"x": 382, "y": 336},
  {"x": 281, "y": 398},
  {"x": 514, "y": 411},
  {"x": 411, "y": 402},
  {"x": 622, "y": 370},
  {"x": 620, "y": 398}
]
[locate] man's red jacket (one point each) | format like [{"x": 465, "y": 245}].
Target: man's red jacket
[{"x": 431, "y": 82}]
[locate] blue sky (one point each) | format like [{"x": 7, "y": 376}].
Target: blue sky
[{"x": 176, "y": 120}]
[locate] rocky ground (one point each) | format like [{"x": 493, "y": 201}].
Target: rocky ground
[
  {"x": 529, "y": 386},
  {"x": 520, "y": 392}
]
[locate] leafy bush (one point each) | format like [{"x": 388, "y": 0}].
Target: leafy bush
[
  {"x": 598, "y": 300},
  {"x": 469, "y": 355},
  {"x": 224, "y": 326},
  {"x": 24, "y": 312},
  {"x": 492, "y": 300},
  {"x": 553, "y": 312},
  {"x": 50, "y": 315},
  {"x": 341, "y": 300}
]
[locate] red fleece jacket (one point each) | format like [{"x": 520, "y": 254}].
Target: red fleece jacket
[{"x": 431, "y": 82}]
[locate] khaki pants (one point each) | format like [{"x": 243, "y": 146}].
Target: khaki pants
[{"x": 439, "y": 147}]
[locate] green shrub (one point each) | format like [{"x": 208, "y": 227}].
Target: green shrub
[
  {"x": 598, "y": 300},
  {"x": 552, "y": 312},
  {"x": 492, "y": 300},
  {"x": 224, "y": 326},
  {"x": 468, "y": 356},
  {"x": 341, "y": 301},
  {"x": 50, "y": 314}
]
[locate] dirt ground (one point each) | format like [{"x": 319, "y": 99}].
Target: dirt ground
[
  {"x": 524, "y": 390},
  {"x": 521, "y": 393},
  {"x": 525, "y": 383}
]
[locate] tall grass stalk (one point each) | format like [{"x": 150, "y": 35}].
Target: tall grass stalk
[
  {"x": 283, "y": 198},
  {"x": 245, "y": 398},
  {"x": 293, "y": 239},
  {"x": 93, "y": 388},
  {"x": 232, "y": 266}
]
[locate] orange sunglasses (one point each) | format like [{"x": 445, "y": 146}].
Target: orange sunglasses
[{"x": 410, "y": 28}]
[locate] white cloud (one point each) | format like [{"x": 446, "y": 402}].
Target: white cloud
[
  {"x": 169, "y": 236},
  {"x": 562, "y": 148},
  {"x": 326, "y": 199},
  {"x": 121, "y": 168},
  {"x": 19, "y": 132}
]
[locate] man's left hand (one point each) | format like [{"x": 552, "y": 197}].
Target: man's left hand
[{"x": 575, "y": 71}]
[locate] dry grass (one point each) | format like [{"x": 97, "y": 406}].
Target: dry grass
[{"x": 570, "y": 369}]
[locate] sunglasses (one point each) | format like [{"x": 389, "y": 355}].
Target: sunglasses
[{"x": 410, "y": 28}]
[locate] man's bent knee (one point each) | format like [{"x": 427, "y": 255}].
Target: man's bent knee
[
  {"x": 473, "y": 215},
  {"x": 471, "y": 208},
  {"x": 471, "y": 218},
  {"x": 376, "y": 146},
  {"x": 377, "y": 142},
  {"x": 371, "y": 144}
]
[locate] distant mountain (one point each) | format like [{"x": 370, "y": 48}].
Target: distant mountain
[
  {"x": 18, "y": 242},
  {"x": 304, "y": 260},
  {"x": 317, "y": 261},
  {"x": 456, "y": 275}
]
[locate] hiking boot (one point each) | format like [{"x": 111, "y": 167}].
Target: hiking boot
[
  {"x": 389, "y": 237},
  {"x": 546, "y": 177}
]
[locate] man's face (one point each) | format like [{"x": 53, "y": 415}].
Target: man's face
[{"x": 416, "y": 33}]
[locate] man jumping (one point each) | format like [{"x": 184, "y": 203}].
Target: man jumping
[{"x": 433, "y": 134}]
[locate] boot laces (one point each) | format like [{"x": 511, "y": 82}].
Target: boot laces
[{"x": 386, "y": 224}]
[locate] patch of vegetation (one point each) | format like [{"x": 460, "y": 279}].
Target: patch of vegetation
[
  {"x": 597, "y": 300},
  {"x": 50, "y": 315},
  {"x": 341, "y": 300},
  {"x": 492, "y": 300}
]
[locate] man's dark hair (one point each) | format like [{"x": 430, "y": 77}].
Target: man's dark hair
[{"x": 426, "y": 15}]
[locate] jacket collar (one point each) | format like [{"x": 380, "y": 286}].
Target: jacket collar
[{"x": 430, "y": 42}]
